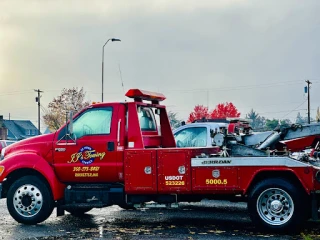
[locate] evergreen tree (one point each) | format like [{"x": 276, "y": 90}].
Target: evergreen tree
[
  {"x": 174, "y": 121},
  {"x": 258, "y": 122},
  {"x": 300, "y": 119}
]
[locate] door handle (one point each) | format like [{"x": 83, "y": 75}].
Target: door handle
[{"x": 110, "y": 146}]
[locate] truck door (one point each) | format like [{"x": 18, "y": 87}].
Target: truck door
[
  {"x": 174, "y": 171},
  {"x": 94, "y": 154},
  {"x": 140, "y": 171}
]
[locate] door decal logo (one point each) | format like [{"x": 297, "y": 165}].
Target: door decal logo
[{"x": 86, "y": 155}]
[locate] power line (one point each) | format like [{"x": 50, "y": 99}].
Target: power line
[
  {"x": 232, "y": 88},
  {"x": 241, "y": 87},
  {"x": 295, "y": 109},
  {"x": 15, "y": 93}
]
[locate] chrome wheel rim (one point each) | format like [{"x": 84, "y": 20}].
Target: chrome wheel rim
[
  {"x": 27, "y": 200},
  {"x": 275, "y": 206}
]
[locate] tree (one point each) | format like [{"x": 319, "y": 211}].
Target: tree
[
  {"x": 70, "y": 100},
  {"x": 304, "y": 120},
  {"x": 271, "y": 124},
  {"x": 174, "y": 121},
  {"x": 300, "y": 119},
  {"x": 285, "y": 123},
  {"x": 224, "y": 110},
  {"x": 199, "y": 112},
  {"x": 318, "y": 115},
  {"x": 258, "y": 122}
]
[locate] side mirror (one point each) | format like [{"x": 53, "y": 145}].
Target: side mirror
[{"x": 71, "y": 123}]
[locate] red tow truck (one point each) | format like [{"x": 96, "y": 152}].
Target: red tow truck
[{"x": 124, "y": 153}]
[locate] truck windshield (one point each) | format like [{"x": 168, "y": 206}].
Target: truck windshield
[{"x": 146, "y": 119}]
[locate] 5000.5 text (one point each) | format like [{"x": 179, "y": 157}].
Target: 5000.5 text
[{"x": 216, "y": 181}]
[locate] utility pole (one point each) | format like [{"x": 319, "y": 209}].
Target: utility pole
[
  {"x": 308, "y": 89},
  {"x": 38, "y": 101}
]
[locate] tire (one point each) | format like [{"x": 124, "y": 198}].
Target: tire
[
  {"x": 276, "y": 205},
  {"x": 29, "y": 200},
  {"x": 78, "y": 212}
]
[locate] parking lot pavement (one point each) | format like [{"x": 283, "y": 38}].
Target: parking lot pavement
[{"x": 205, "y": 220}]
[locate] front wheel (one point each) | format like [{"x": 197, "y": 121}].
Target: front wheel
[
  {"x": 29, "y": 200},
  {"x": 277, "y": 205}
]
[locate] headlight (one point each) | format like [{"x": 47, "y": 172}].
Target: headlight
[{"x": 3, "y": 151}]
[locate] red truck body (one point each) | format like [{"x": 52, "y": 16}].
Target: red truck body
[{"x": 125, "y": 154}]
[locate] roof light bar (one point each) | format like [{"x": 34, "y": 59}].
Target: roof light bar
[{"x": 139, "y": 94}]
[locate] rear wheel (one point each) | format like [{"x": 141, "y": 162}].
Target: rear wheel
[
  {"x": 29, "y": 200},
  {"x": 276, "y": 204},
  {"x": 78, "y": 212}
]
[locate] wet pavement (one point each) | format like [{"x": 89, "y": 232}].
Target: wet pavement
[{"x": 205, "y": 220}]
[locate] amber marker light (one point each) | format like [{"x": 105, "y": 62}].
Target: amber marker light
[{"x": 1, "y": 170}]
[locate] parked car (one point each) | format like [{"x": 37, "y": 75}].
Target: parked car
[{"x": 4, "y": 143}]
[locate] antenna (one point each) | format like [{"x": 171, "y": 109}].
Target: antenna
[{"x": 121, "y": 81}]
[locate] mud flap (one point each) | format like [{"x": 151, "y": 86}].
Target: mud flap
[{"x": 60, "y": 210}]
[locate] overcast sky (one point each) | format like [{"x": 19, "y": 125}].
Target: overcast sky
[{"x": 256, "y": 54}]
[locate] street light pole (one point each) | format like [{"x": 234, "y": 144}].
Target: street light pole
[{"x": 112, "y": 40}]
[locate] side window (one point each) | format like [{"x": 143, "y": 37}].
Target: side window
[
  {"x": 92, "y": 122},
  {"x": 191, "y": 137},
  {"x": 147, "y": 120}
]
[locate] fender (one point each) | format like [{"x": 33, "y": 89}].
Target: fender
[
  {"x": 31, "y": 160},
  {"x": 305, "y": 181}
]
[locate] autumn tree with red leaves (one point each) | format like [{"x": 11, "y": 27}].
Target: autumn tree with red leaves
[
  {"x": 199, "y": 112},
  {"x": 225, "y": 110}
]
